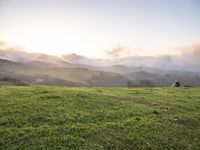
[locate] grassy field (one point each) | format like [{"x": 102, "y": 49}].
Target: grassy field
[{"x": 99, "y": 118}]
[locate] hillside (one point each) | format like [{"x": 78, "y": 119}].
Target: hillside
[
  {"x": 41, "y": 73},
  {"x": 99, "y": 118},
  {"x": 164, "y": 78},
  {"x": 66, "y": 74}
]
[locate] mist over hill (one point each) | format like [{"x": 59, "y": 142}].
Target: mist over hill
[
  {"x": 20, "y": 67},
  {"x": 187, "y": 59}
]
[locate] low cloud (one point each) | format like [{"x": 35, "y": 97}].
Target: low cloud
[
  {"x": 187, "y": 59},
  {"x": 4, "y": 46},
  {"x": 190, "y": 54},
  {"x": 17, "y": 53},
  {"x": 119, "y": 52}
]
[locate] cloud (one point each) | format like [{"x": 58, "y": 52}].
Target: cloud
[
  {"x": 118, "y": 52},
  {"x": 17, "y": 53},
  {"x": 8, "y": 47},
  {"x": 187, "y": 59},
  {"x": 190, "y": 55},
  {"x": 2, "y": 45}
]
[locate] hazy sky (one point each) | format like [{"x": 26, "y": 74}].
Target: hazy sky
[{"x": 89, "y": 27}]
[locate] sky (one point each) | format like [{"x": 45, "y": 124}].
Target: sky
[{"x": 94, "y": 27}]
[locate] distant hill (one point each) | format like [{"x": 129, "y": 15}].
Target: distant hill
[
  {"x": 48, "y": 74},
  {"x": 66, "y": 74},
  {"x": 164, "y": 79}
]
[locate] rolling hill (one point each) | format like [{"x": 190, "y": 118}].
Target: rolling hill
[
  {"x": 67, "y": 74},
  {"x": 51, "y": 74}
]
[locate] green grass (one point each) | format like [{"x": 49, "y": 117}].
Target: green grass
[{"x": 99, "y": 118}]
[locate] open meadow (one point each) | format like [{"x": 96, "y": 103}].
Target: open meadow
[{"x": 99, "y": 118}]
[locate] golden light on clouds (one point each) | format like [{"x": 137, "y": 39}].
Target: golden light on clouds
[{"x": 94, "y": 27}]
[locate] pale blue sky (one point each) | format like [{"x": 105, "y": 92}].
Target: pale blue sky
[{"x": 89, "y": 27}]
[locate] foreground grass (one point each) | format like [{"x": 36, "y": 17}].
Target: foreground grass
[{"x": 99, "y": 118}]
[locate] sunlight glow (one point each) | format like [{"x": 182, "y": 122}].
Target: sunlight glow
[{"x": 92, "y": 28}]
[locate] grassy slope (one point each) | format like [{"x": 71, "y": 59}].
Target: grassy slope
[{"x": 99, "y": 118}]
